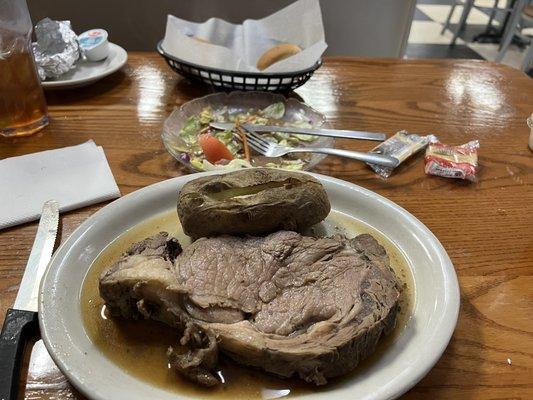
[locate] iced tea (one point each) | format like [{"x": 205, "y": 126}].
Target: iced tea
[{"x": 22, "y": 103}]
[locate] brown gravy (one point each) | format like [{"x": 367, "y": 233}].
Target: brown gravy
[{"x": 139, "y": 347}]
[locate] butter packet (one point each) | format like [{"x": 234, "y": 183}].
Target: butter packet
[
  {"x": 401, "y": 146},
  {"x": 458, "y": 162}
]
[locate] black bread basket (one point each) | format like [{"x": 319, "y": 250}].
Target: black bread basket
[{"x": 232, "y": 80}]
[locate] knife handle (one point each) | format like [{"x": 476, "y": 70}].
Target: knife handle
[{"x": 19, "y": 326}]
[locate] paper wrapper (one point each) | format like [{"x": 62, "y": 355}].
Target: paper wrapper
[{"x": 238, "y": 47}]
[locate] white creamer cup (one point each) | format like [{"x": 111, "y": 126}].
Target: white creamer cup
[{"x": 94, "y": 44}]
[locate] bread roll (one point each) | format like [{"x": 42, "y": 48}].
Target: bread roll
[{"x": 276, "y": 54}]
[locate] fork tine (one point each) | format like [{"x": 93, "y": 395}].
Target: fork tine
[
  {"x": 256, "y": 147},
  {"x": 252, "y": 134},
  {"x": 254, "y": 144},
  {"x": 254, "y": 141}
]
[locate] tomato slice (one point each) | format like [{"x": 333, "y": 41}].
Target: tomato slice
[{"x": 214, "y": 150}]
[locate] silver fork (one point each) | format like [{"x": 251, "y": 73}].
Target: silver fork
[{"x": 270, "y": 149}]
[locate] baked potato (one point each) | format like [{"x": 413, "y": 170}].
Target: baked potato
[{"x": 252, "y": 201}]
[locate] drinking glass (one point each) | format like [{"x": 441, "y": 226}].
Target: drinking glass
[{"x": 23, "y": 108}]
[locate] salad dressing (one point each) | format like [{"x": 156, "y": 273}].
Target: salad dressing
[{"x": 139, "y": 347}]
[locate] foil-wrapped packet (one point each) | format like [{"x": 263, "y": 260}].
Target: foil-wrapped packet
[
  {"x": 56, "y": 50},
  {"x": 401, "y": 146}
]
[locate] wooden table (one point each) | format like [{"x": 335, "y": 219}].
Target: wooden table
[{"x": 486, "y": 227}]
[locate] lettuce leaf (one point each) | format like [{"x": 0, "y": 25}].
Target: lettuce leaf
[
  {"x": 197, "y": 164},
  {"x": 293, "y": 165},
  {"x": 233, "y": 164},
  {"x": 304, "y": 138},
  {"x": 191, "y": 129},
  {"x": 274, "y": 111},
  {"x": 227, "y": 138},
  {"x": 206, "y": 116}
]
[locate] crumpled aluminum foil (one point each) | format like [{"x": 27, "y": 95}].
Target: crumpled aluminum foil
[{"x": 56, "y": 50}]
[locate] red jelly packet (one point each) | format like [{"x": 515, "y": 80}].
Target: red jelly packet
[{"x": 452, "y": 161}]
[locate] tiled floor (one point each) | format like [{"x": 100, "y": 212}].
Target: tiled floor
[{"x": 426, "y": 41}]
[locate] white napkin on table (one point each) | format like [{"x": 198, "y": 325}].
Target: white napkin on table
[{"x": 75, "y": 176}]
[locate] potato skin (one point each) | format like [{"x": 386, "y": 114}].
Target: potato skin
[{"x": 278, "y": 200}]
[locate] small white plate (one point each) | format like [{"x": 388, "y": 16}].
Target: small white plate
[
  {"x": 87, "y": 72},
  {"x": 401, "y": 365}
]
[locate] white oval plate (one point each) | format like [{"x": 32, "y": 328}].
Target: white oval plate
[
  {"x": 87, "y": 72},
  {"x": 400, "y": 367}
]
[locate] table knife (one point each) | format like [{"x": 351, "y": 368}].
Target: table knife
[
  {"x": 306, "y": 131},
  {"x": 21, "y": 320}
]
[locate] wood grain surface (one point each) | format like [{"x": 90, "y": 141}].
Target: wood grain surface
[{"x": 486, "y": 227}]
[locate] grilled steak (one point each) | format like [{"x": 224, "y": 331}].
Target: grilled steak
[{"x": 289, "y": 304}]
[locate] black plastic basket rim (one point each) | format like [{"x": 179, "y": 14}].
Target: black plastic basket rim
[{"x": 239, "y": 73}]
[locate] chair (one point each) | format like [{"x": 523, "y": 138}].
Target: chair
[
  {"x": 521, "y": 18},
  {"x": 469, "y": 4},
  {"x": 528, "y": 59},
  {"x": 455, "y": 3}
]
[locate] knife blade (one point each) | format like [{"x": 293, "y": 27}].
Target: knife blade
[
  {"x": 306, "y": 131},
  {"x": 21, "y": 320}
]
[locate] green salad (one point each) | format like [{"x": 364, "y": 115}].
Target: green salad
[{"x": 197, "y": 147}]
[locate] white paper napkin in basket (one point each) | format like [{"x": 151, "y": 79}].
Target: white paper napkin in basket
[
  {"x": 75, "y": 176},
  {"x": 238, "y": 47}
]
